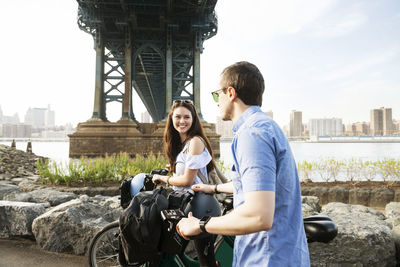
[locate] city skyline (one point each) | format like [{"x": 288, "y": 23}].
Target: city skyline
[{"x": 325, "y": 58}]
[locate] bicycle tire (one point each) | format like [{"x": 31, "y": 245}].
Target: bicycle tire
[
  {"x": 103, "y": 249},
  {"x": 106, "y": 242}
]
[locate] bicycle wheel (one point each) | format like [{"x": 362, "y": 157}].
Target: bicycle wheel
[{"x": 103, "y": 250}]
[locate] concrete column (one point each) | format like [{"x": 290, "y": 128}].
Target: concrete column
[
  {"x": 196, "y": 74},
  {"x": 99, "y": 105},
  {"x": 168, "y": 73},
  {"x": 127, "y": 103}
]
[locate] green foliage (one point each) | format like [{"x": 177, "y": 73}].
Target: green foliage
[
  {"x": 99, "y": 170},
  {"x": 349, "y": 170}
]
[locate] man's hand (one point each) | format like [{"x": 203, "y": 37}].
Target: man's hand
[
  {"x": 205, "y": 188},
  {"x": 188, "y": 226}
]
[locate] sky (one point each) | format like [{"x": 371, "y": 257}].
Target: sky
[{"x": 326, "y": 58}]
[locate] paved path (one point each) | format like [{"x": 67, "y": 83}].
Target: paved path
[{"x": 24, "y": 252}]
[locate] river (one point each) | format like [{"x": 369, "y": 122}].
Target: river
[{"x": 302, "y": 151}]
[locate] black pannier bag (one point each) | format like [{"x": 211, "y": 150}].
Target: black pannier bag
[
  {"x": 125, "y": 189},
  {"x": 171, "y": 241},
  {"x": 140, "y": 226}
]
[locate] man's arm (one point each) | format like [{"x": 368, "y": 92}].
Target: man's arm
[{"x": 254, "y": 215}]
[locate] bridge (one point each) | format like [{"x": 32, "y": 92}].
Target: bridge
[{"x": 152, "y": 46}]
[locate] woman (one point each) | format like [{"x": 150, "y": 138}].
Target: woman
[{"x": 188, "y": 151}]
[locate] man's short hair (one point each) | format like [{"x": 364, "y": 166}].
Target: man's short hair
[{"x": 247, "y": 81}]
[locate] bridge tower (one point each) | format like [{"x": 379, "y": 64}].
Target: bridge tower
[{"x": 154, "y": 47}]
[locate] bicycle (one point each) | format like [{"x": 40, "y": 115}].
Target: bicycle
[{"x": 104, "y": 247}]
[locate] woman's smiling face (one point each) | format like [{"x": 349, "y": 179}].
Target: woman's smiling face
[{"x": 182, "y": 120}]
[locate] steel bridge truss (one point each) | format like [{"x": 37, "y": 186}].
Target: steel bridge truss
[{"x": 153, "y": 46}]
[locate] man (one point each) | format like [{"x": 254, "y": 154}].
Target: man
[{"x": 267, "y": 217}]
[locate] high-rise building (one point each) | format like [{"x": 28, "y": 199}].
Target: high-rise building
[
  {"x": 326, "y": 127},
  {"x": 49, "y": 118},
  {"x": 296, "y": 124},
  {"x": 381, "y": 121},
  {"x": 224, "y": 128},
  {"x": 40, "y": 117}
]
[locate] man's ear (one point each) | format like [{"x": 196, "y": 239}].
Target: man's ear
[{"x": 232, "y": 93}]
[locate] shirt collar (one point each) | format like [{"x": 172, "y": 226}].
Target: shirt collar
[{"x": 245, "y": 115}]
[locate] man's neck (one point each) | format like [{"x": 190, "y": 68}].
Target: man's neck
[{"x": 239, "y": 108}]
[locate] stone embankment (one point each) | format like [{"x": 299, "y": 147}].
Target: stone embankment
[
  {"x": 16, "y": 163},
  {"x": 65, "y": 221}
]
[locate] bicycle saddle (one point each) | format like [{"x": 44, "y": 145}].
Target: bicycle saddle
[{"x": 319, "y": 228}]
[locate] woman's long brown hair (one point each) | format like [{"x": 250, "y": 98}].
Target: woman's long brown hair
[{"x": 172, "y": 140}]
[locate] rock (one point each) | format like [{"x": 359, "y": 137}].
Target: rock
[
  {"x": 54, "y": 197},
  {"x": 396, "y": 239},
  {"x": 16, "y": 218},
  {"x": 69, "y": 227},
  {"x": 321, "y": 193},
  {"x": 20, "y": 197},
  {"x": 364, "y": 238},
  {"x": 310, "y": 205},
  {"x": 380, "y": 197},
  {"x": 392, "y": 211},
  {"x": 6, "y": 189},
  {"x": 359, "y": 196},
  {"x": 17, "y": 163},
  {"x": 338, "y": 194}
]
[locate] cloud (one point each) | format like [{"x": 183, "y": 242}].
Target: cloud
[
  {"x": 339, "y": 26},
  {"x": 340, "y": 72},
  {"x": 259, "y": 20}
]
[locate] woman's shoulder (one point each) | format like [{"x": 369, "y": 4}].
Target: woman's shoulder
[{"x": 196, "y": 145}]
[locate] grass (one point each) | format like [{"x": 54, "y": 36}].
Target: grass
[
  {"x": 332, "y": 170},
  {"x": 85, "y": 171},
  {"x": 111, "y": 168}
]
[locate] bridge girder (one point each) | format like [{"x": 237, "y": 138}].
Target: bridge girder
[{"x": 153, "y": 46}]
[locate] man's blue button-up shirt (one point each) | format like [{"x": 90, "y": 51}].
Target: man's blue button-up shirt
[{"x": 263, "y": 161}]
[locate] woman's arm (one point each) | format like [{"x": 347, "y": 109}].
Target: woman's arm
[{"x": 211, "y": 189}]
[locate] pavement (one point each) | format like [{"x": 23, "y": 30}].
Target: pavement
[{"x": 20, "y": 252}]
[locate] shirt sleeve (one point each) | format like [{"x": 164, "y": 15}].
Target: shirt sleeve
[
  {"x": 256, "y": 160},
  {"x": 198, "y": 161}
]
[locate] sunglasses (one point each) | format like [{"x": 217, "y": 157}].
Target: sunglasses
[{"x": 215, "y": 94}]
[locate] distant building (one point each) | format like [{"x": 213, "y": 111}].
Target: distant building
[
  {"x": 40, "y": 117},
  {"x": 10, "y": 119},
  {"x": 326, "y": 127},
  {"x": 357, "y": 128},
  {"x": 1, "y": 116},
  {"x": 381, "y": 121},
  {"x": 224, "y": 128},
  {"x": 49, "y": 118},
  {"x": 270, "y": 113},
  {"x": 16, "y": 130},
  {"x": 145, "y": 117},
  {"x": 296, "y": 124}
]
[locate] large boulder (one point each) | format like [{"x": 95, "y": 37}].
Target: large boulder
[
  {"x": 6, "y": 189},
  {"x": 310, "y": 205},
  {"x": 52, "y": 196},
  {"x": 392, "y": 211},
  {"x": 16, "y": 217},
  {"x": 364, "y": 238},
  {"x": 69, "y": 227}
]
